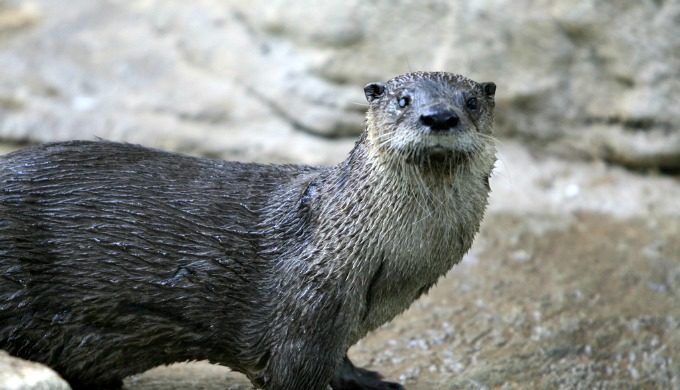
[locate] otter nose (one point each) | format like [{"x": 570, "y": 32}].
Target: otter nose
[{"x": 440, "y": 120}]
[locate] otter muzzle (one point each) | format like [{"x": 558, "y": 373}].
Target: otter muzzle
[{"x": 440, "y": 119}]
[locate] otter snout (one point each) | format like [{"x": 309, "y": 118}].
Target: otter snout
[{"x": 440, "y": 119}]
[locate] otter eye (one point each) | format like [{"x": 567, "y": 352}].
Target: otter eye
[
  {"x": 404, "y": 101},
  {"x": 472, "y": 103}
]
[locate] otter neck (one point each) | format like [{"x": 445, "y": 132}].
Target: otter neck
[
  {"x": 396, "y": 228},
  {"x": 405, "y": 211}
]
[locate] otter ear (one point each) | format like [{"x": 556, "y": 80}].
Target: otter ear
[
  {"x": 489, "y": 88},
  {"x": 374, "y": 91}
]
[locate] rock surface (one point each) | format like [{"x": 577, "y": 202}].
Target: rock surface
[
  {"x": 18, "y": 374},
  {"x": 234, "y": 78},
  {"x": 574, "y": 280}
]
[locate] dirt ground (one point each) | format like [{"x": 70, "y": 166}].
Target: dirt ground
[{"x": 573, "y": 283}]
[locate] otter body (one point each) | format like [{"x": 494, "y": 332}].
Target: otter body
[{"x": 117, "y": 258}]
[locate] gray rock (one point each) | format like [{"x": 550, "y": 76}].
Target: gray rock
[
  {"x": 16, "y": 16},
  {"x": 157, "y": 75},
  {"x": 241, "y": 79},
  {"x": 18, "y": 374}
]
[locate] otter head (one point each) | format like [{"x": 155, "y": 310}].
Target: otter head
[{"x": 432, "y": 117}]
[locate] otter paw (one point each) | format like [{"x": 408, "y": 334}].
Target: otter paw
[
  {"x": 366, "y": 385},
  {"x": 349, "y": 377}
]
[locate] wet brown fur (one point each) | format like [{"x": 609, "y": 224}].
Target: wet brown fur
[{"x": 116, "y": 258}]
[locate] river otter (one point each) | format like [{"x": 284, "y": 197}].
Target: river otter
[{"x": 116, "y": 258}]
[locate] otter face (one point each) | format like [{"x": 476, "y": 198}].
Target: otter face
[{"x": 430, "y": 115}]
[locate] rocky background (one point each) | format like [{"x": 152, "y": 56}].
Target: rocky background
[{"x": 574, "y": 281}]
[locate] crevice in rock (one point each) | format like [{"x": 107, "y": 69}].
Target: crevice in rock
[
  {"x": 283, "y": 115},
  {"x": 206, "y": 116},
  {"x": 664, "y": 163},
  {"x": 11, "y": 103},
  {"x": 631, "y": 124},
  {"x": 15, "y": 143},
  {"x": 15, "y": 19}
]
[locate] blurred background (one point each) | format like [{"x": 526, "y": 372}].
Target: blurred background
[{"x": 574, "y": 280}]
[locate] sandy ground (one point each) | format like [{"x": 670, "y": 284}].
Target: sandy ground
[{"x": 573, "y": 283}]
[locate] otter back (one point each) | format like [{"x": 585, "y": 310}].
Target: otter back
[{"x": 104, "y": 245}]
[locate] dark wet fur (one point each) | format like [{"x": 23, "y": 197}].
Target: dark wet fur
[{"x": 116, "y": 258}]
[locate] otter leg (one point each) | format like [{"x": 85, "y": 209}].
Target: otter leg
[
  {"x": 350, "y": 377},
  {"x": 299, "y": 366},
  {"x": 314, "y": 345}
]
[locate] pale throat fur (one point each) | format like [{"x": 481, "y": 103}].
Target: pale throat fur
[
  {"x": 389, "y": 226},
  {"x": 401, "y": 228}
]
